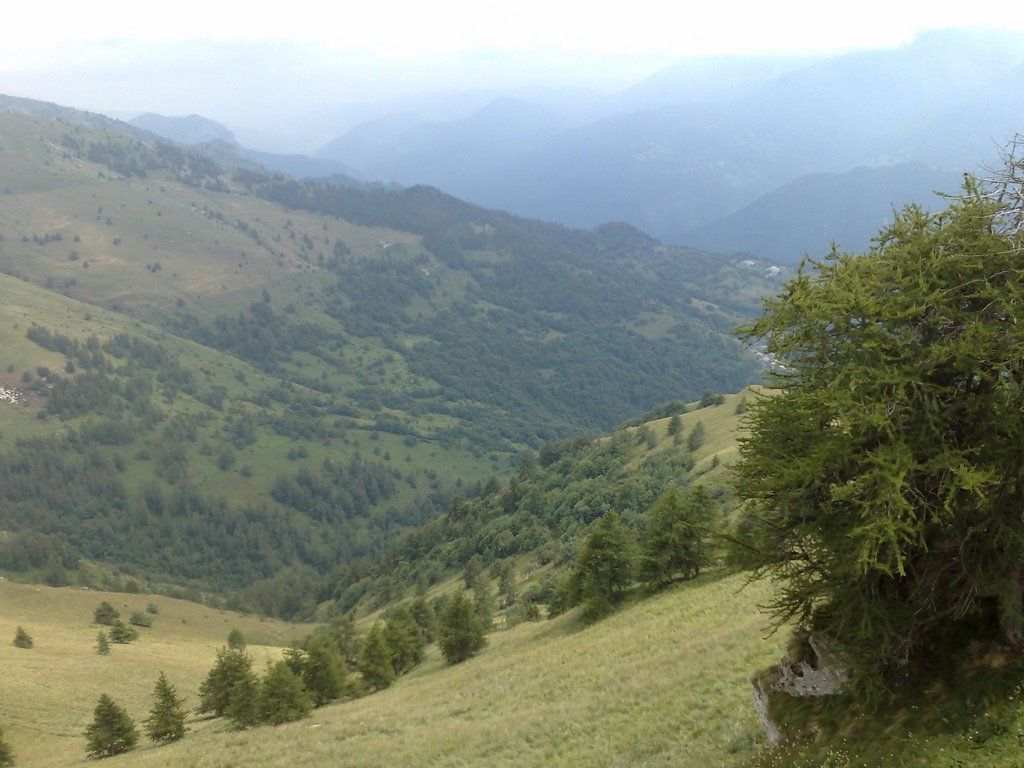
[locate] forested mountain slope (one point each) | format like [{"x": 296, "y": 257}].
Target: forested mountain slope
[{"x": 227, "y": 378}]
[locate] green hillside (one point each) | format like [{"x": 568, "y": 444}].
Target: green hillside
[{"x": 229, "y": 382}]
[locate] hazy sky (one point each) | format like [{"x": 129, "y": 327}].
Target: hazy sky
[{"x": 247, "y": 63}]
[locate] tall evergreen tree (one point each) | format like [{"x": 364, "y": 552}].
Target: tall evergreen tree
[
  {"x": 231, "y": 667},
  {"x": 166, "y": 721},
  {"x": 604, "y": 568},
  {"x": 695, "y": 439},
  {"x": 282, "y": 696},
  {"x": 111, "y": 732},
  {"x": 324, "y": 672},
  {"x": 102, "y": 643},
  {"x": 243, "y": 706},
  {"x": 375, "y": 659},
  {"x": 460, "y": 633},
  {"x": 676, "y": 537},
  {"x": 403, "y": 638}
]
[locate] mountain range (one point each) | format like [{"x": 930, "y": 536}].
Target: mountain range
[{"x": 708, "y": 151}]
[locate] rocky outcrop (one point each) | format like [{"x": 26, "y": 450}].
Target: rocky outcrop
[{"x": 806, "y": 670}]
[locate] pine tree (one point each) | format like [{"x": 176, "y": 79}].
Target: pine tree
[
  {"x": 676, "y": 538},
  {"x": 6, "y": 753},
  {"x": 243, "y": 703},
  {"x": 696, "y": 437},
  {"x": 375, "y": 659},
  {"x": 102, "y": 643},
  {"x": 403, "y": 638},
  {"x": 111, "y": 732},
  {"x": 22, "y": 639},
  {"x": 231, "y": 667},
  {"x": 166, "y": 721},
  {"x": 282, "y": 696},
  {"x": 675, "y": 428},
  {"x": 324, "y": 672},
  {"x": 605, "y": 566},
  {"x": 460, "y": 633}
]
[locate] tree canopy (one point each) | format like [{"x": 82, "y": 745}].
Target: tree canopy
[{"x": 884, "y": 471}]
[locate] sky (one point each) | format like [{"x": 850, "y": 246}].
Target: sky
[{"x": 259, "y": 64}]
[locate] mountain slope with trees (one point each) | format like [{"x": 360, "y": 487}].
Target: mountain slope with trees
[{"x": 230, "y": 381}]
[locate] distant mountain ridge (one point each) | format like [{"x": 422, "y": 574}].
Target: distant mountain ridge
[{"x": 695, "y": 145}]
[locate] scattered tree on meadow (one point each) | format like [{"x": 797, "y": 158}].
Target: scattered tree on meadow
[
  {"x": 676, "y": 537},
  {"x": 695, "y": 439},
  {"x": 111, "y": 732},
  {"x": 884, "y": 469},
  {"x": 460, "y": 632},
  {"x": 675, "y": 429},
  {"x": 105, "y": 613},
  {"x": 22, "y": 639},
  {"x": 122, "y": 633},
  {"x": 423, "y": 615},
  {"x": 232, "y": 666},
  {"x": 375, "y": 659},
  {"x": 102, "y": 643},
  {"x": 282, "y": 696},
  {"x": 404, "y": 639},
  {"x": 710, "y": 398},
  {"x": 6, "y": 753},
  {"x": 166, "y": 721},
  {"x": 604, "y": 568}
]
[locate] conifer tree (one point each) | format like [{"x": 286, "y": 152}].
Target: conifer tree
[
  {"x": 675, "y": 429},
  {"x": 695, "y": 439},
  {"x": 111, "y": 732},
  {"x": 881, "y": 477},
  {"x": 605, "y": 566},
  {"x": 460, "y": 633},
  {"x": 282, "y": 696},
  {"x": 403, "y": 638},
  {"x": 324, "y": 672},
  {"x": 231, "y": 667},
  {"x": 676, "y": 537},
  {"x": 236, "y": 640},
  {"x": 166, "y": 721},
  {"x": 102, "y": 643},
  {"x": 375, "y": 659},
  {"x": 22, "y": 639},
  {"x": 123, "y": 633},
  {"x": 243, "y": 706},
  {"x": 423, "y": 615}
]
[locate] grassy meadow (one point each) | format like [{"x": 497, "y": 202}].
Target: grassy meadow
[{"x": 664, "y": 682}]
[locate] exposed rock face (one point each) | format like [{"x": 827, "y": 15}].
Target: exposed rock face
[{"x": 806, "y": 670}]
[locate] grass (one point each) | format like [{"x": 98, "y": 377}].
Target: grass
[
  {"x": 664, "y": 682},
  {"x": 48, "y": 693}
]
